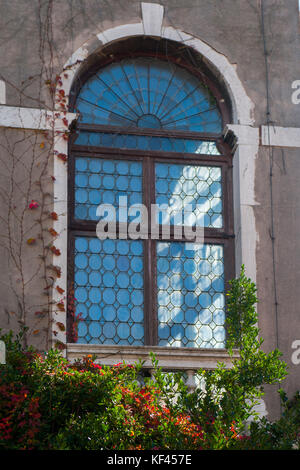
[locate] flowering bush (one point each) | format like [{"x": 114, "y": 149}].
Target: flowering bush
[{"x": 47, "y": 402}]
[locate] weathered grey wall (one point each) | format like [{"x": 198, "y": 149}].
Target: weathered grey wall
[
  {"x": 35, "y": 42},
  {"x": 25, "y": 169}
]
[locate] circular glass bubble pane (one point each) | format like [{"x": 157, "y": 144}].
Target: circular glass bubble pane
[
  {"x": 108, "y": 197},
  {"x": 109, "y": 246},
  {"x": 123, "y": 263},
  {"x": 122, "y": 168},
  {"x": 108, "y": 167},
  {"x": 108, "y": 182},
  {"x": 219, "y": 317},
  {"x": 135, "y": 184},
  {"x": 163, "y": 265},
  {"x": 109, "y": 330},
  {"x": 137, "y": 314},
  {"x": 82, "y": 329},
  {"x": 109, "y": 296},
  {"x": 161, "y": 186},
  {"x": 137, "y": 297},
  {"x": 95, "y": 278},
  {"x": 81, "y": 309},
  {"x": 94, "y": 196},
  {"x": 136, "y": 264},
  {"x": 122, "y": 183},
  {"x": 92, "y": 213},
  {"x": 123, "y": 280},
  {"x": 81, "y": 278},
  {"x": 81, "y": 212},
  {"x": 95, "y": 312},
  {"x": 177, "y": 315},
  {"x": 163, "y": 314},
  {"x": 163, "y": 331},
  {"x": 175, "y": 171},
  {"x": 109, "y": 262},
  {"x": 109, "y": 279},
  {"x": 123, "y": 330},
  {"x": 177, "y": 332},
  {"x": 81, "y": 180},
  {"x": 123, "y": 247},
  {"x": 95, "y": 295},
  {"x": 123, "y": 313},
  {"x": 137, "y": 331},
  {"x": 191, "y": 332},
  {"x": 95, "y": 181},
  {"x": 190, "y": 299},
  {"x": 176, "y": 299},
  {"x": 95, "y": 329},
  {"x": 219, "y": 301},
  {"x": 161, "y": 170},
  {"x": 95, "y": 245},
  {"x": 95, "y": 261},
  {"x": 176, "y": 266},
  {"x": 191, "y": 316},
  {"x": 136, "y": 169},
  {"x": 137, "y": 281},
  {"x": 81, "y": 261},
  {"x": 163, "y": 248},
  {"x": 205, "y": 333},
  {"x": 163, "y": 298},
  {"x": 123, "y": 297},
  {"x": 81, "y": 164},
  {"x": 81, "y": 244},
  {"x": 109, "y": 312},
  {"x": 219, "y": 333},
  {"x": 95, "y": 165}
]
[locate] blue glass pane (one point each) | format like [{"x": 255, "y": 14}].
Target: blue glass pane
[
  {"x": 191, "y": 310},
  {"x": 109, "y": 292},
  {"x": 148, "y": 93},
  {"x": 145, "y": 142},
  {"x": 192, "y": 194},
  {"x": 99, "y": 181}
]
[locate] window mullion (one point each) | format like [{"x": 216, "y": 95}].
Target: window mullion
[{"x": 150, "y": 320}]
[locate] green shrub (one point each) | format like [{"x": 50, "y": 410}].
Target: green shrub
[{"x": 48, "y": 403}]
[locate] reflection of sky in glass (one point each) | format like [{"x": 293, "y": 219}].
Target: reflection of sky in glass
[
  {"x": 109, "y": 291},
  {"x": 199, "y": 187},
  {"x": 148, "y": 93},
  {"x": 190, "y": 298}
]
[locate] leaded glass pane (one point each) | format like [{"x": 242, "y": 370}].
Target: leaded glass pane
[
  {"x": 145, "y": 142},
  {"x": 100, "y": 181},
  {"x": 199, "y": 187},
  {"x": 190, "y": 298},
  {"x": 148, "y": 93},
  {"x": 108, "y": 281}
]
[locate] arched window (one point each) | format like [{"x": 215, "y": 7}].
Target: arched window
[{"x": 149, "y": 132}]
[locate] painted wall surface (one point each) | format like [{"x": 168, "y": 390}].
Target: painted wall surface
[{"x": 36, "y": 40}]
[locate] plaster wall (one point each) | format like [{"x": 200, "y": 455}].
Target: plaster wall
[{"x": 36, "y": 41}]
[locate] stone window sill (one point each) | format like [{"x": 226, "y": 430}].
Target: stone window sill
[{"x": 168, "y": 358}]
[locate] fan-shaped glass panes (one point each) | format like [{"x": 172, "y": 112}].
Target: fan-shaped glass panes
[{"x": 148, "y": 93}]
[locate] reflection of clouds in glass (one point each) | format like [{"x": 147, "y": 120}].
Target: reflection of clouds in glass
[
  {"x": 180, "y": 186},
  {"x": 190, "y": 298},
  {"x": 208, "y": 148}
]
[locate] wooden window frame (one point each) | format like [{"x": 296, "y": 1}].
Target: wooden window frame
[{"x": 223, "y": 236}]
